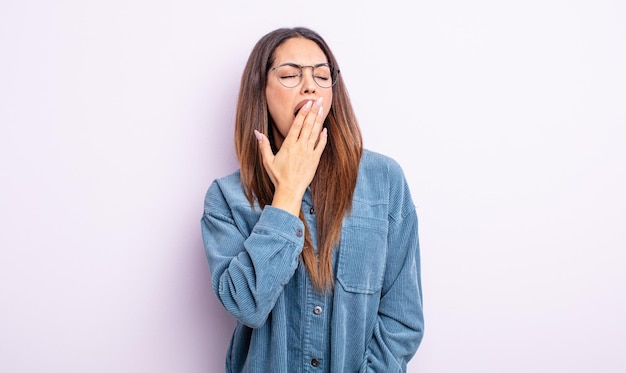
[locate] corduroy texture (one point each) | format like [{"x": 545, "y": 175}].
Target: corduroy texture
[{"x": 371, "y": 321}]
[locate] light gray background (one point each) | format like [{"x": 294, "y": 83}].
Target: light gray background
[{"x": 508, "y": 118}]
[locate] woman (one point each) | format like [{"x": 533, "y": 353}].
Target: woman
[{"x": 312, "y": 244}]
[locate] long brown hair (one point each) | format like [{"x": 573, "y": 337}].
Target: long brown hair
[{"x": 335, "y": 179}]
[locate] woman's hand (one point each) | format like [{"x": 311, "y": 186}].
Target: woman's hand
[{"x": 293, "y": 167}]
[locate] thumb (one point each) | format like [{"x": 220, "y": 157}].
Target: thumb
[{"x": 264, "y": 146}]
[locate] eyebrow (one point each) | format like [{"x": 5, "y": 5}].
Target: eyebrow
[{"x": 297, "y": 64}]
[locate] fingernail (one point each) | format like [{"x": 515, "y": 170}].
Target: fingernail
[
  {"x": 307, "y": 106},
  {"x": 324, "y": 132},
  {"x": 320, "y": 112},
  {"x": 318, "y": 102},
  {"x": 258, "y": 135}
]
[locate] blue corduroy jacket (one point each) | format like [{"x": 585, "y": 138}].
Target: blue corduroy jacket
[{"x": 371, "y": 321}]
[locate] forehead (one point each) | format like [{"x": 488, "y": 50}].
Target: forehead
[{"x": 299, "y": 50}]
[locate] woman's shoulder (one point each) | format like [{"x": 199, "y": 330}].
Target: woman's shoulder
[
  {"x": 381, "y": 178},
  {"x": 229, "y": 179},
  {"x": 227, "y": 188},
  {"x": 372, "y": 161}
]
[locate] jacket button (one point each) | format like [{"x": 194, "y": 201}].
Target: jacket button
[
  {"x": 317, "y": 310},
  {"x": 299, "y": 232},
  {"x": 315, "y": 363},
  {"x": 312, "y": 210}
]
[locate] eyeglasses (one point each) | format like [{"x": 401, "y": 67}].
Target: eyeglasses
[{"x": 290, "y": 74}]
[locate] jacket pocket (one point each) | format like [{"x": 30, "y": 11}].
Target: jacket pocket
[{"x": 362, "y": 254}]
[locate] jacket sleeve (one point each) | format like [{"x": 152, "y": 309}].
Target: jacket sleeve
[
  {"x": 250, "y": 260},
  {"x": 400, "y": 324}
]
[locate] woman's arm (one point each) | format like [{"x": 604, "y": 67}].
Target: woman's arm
[
  {"x": 249, "y": 270},
  {"x": 400, "y": 324}
]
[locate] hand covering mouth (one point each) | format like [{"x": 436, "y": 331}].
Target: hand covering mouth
[{"x": 299, "y": 106}]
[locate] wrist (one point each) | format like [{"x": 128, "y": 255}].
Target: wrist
[{"x": 288, "y": 200}]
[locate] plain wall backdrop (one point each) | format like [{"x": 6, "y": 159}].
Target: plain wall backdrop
[{"x": 509, "y": 119}]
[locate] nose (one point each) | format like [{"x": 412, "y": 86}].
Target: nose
[{"x": 308, "y": 84}]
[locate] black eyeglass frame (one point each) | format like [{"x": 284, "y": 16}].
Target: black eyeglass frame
[{"x": 334, "y": 73}]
